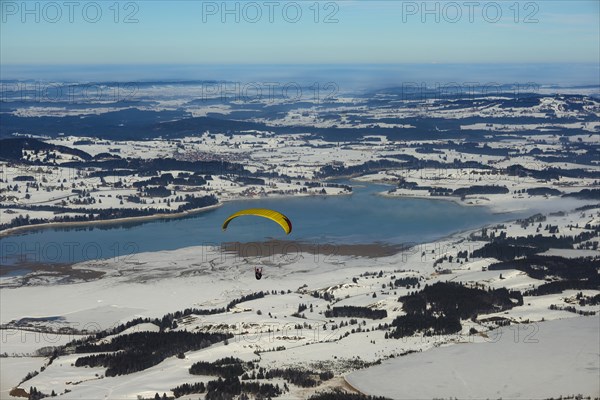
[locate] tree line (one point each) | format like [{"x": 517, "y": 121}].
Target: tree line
[
  {"x": 248, "y": 297},
  {"x": 141, "y": 350},
  {"x": 508, "y": 248},
  {"x": 167, "y": 321},
  {"x": 355, "y": 311},
  {"x": 570, "y": 269},
  {"x": 298, "y": 376},
  {"x": 227, "y": 367},
  {"x": 222, "y": 389},
  {"x": 339, "y": 394},
  {"x": 101, "y": 213},
  {"x": 438, "y": 308}
]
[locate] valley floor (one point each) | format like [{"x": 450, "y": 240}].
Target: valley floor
[{"x": 44, "y": 309}]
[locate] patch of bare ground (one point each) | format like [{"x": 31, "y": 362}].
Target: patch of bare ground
[
  {"x": 18, "y": 392},
  {"x": 335, "y": 383},
  {"x": 38, "y": 274},
  {"x": 292, "y": 248}
]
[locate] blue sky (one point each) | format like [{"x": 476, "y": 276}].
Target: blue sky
[{"x": 366, "y": 32}]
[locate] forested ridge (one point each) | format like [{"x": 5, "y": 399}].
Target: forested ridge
[{"x": 141, "y": 350}]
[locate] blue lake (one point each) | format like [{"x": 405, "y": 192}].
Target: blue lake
[{"x": 363, "y": 217}]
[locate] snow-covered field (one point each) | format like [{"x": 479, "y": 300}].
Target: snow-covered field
[
  {"x": 557, "y": 358},
  {"x": 14, "y": 369}
]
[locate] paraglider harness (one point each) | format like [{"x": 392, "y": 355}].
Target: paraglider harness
[{"x": 258, "y": 273}]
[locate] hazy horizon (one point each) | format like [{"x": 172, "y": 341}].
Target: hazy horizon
[{"x": 348, "y": 76}]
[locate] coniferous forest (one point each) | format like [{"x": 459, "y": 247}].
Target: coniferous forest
[
  {"x": 141, "y": 350},
  {"x": 438, "y": 308}
]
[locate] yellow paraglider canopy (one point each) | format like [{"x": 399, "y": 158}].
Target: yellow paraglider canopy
[{"x": 275, "y": 216}]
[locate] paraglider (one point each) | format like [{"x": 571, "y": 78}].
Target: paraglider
[{"x": 274, "y": 216}]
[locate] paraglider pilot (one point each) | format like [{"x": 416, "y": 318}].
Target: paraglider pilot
[{"x": 275, "y": 216}]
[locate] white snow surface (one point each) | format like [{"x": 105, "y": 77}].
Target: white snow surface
[{"x": 562, "y": 357}]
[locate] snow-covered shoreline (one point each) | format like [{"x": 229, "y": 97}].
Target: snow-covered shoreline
[
  {"x": 145, "y": 218},
  {"x": 10, "y": 231}
]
